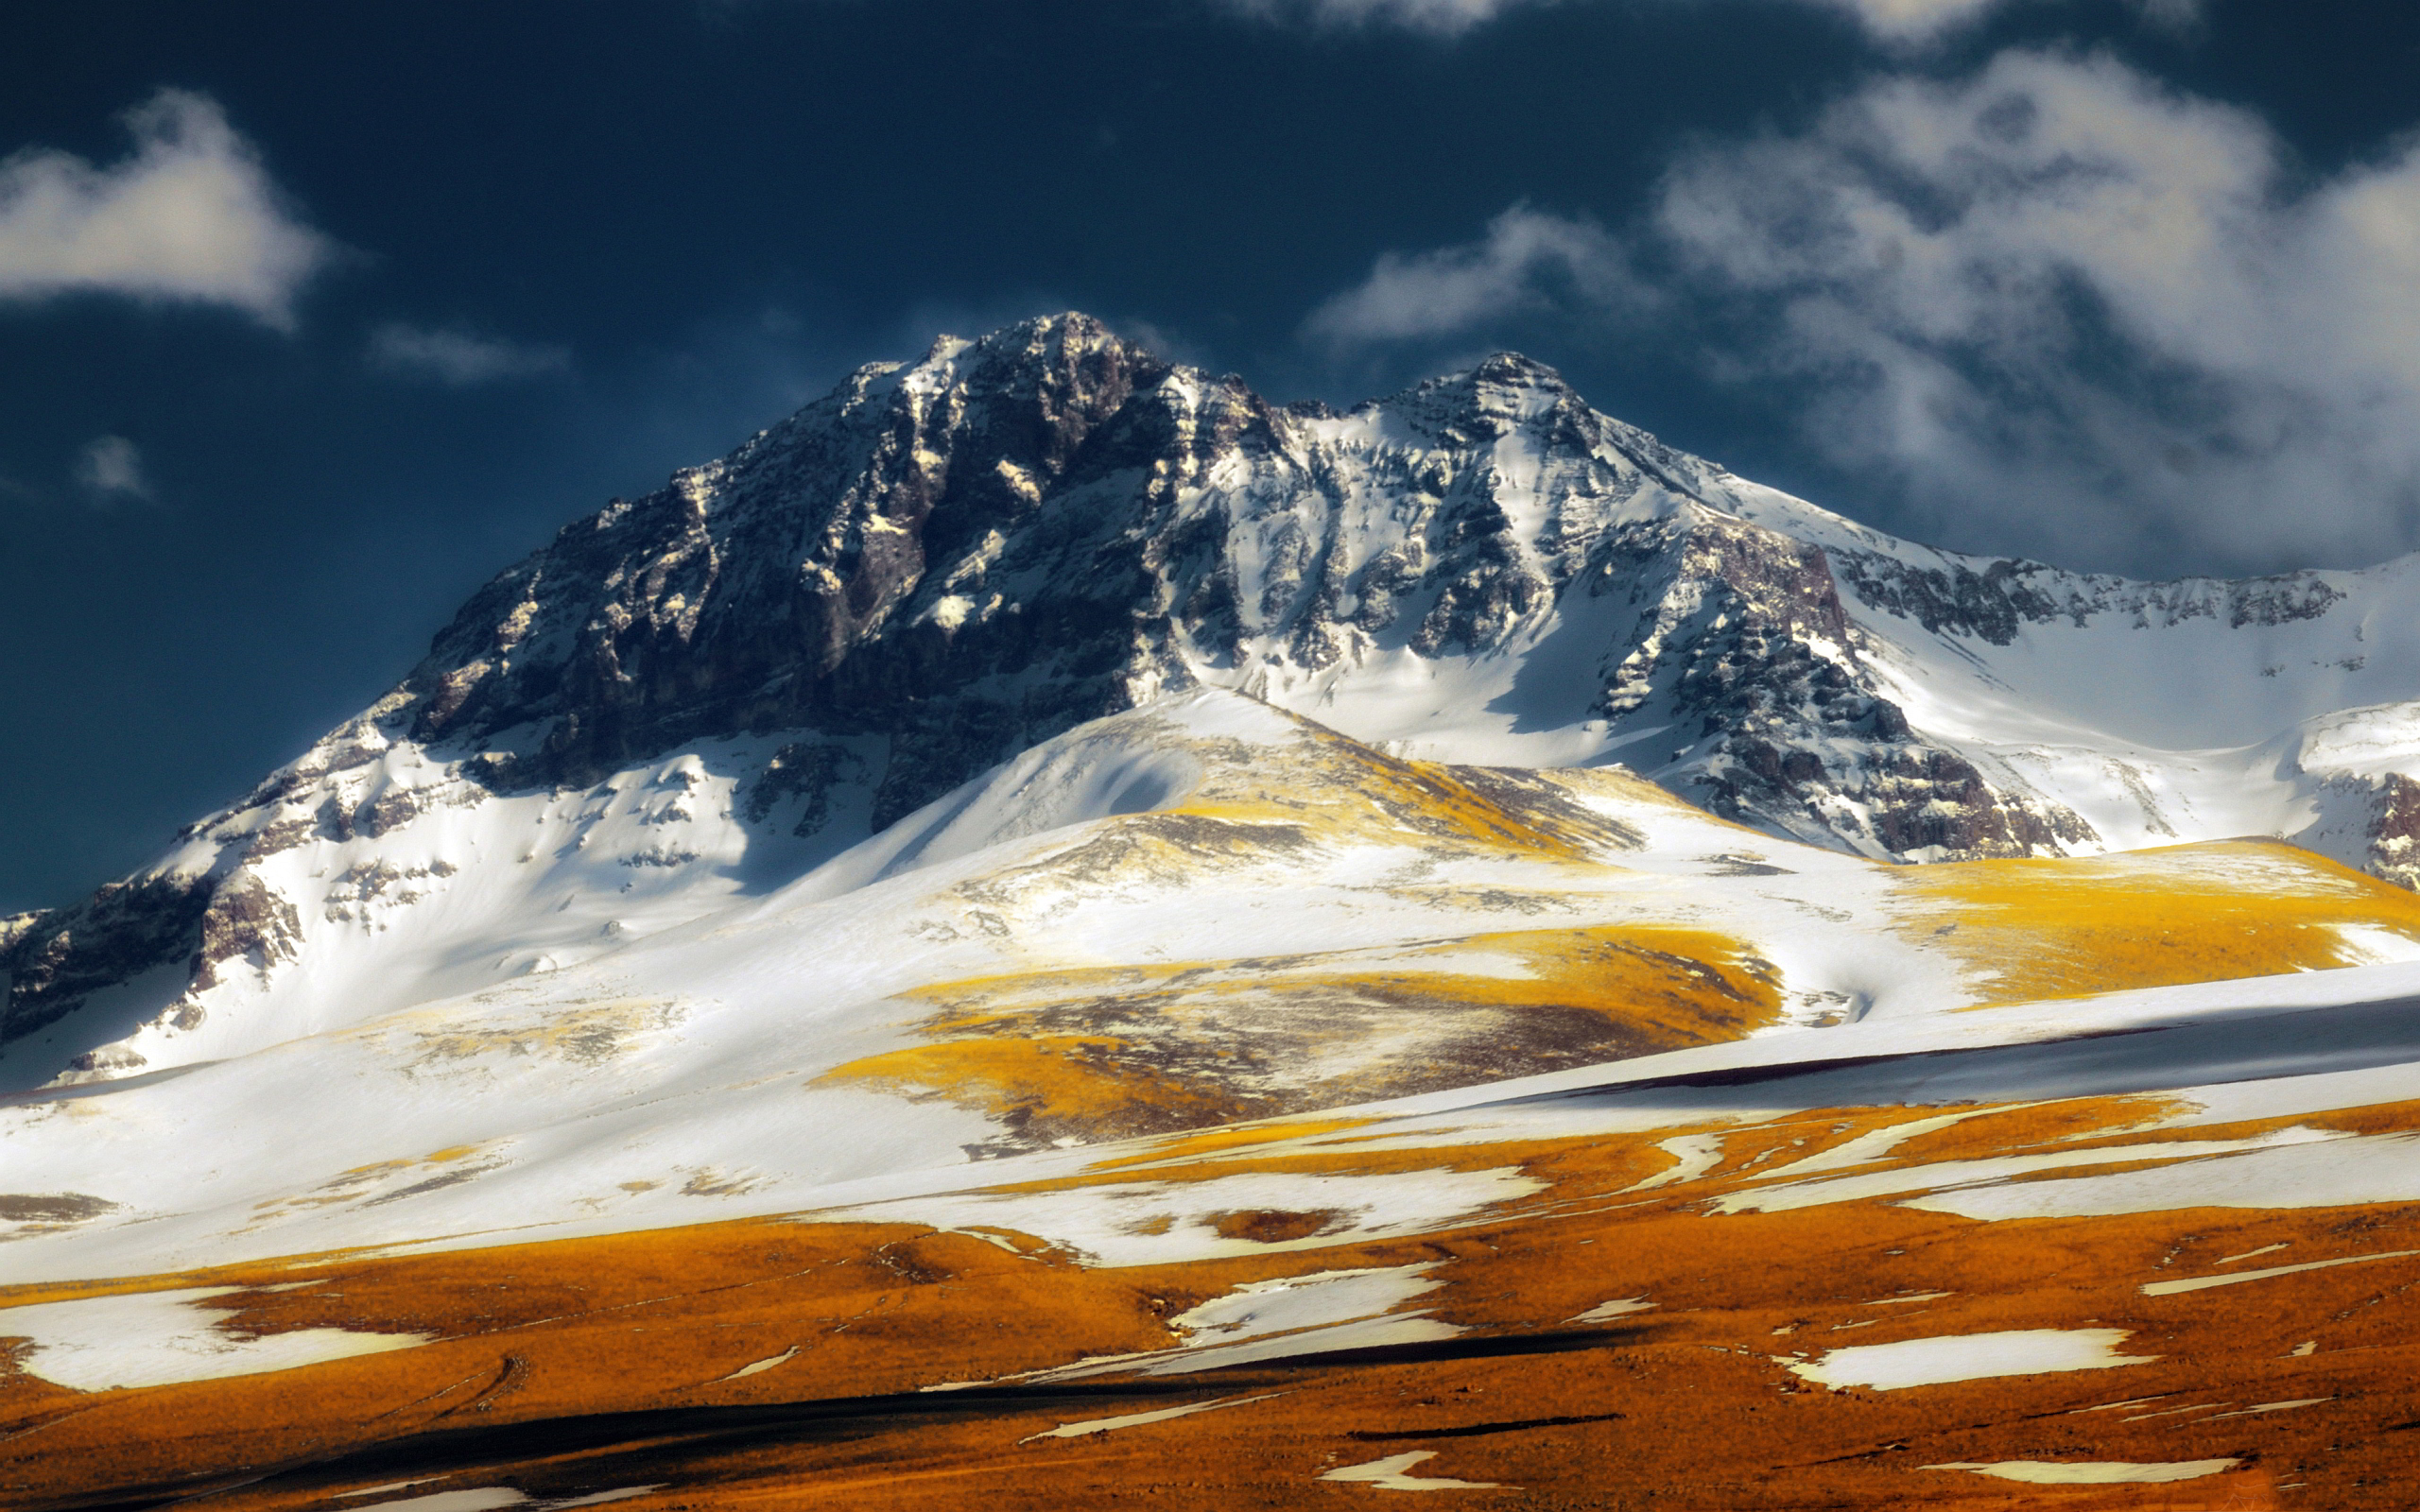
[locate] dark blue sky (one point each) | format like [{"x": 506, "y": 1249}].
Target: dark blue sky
[{"x": 538, "y": 254}]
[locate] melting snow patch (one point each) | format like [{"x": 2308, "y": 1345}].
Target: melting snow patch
[
  {"x": 488, "y": 1497},
  {"x": 1968, "y": 1197},
  {"x": 2091, "y": 1472},
  {"x": 783, "y": 1358},
  {"x": 156, "y": 1338},
  {"x": 1388, "y": 1475},
  {"x": 1616, "y": 1308},
  {"x": 1276, "y": 1321},
  {"x": 1362, "y": 1334},
  {"x": 1135, "y": 1420},
  {"x": 1878, "y": 1143},
  {"x": 2171, "y": 1412},
  {"x": 2196, "y": 1283},
  {"x": 1696, "y": 1154},
  {"x": 1911, "y": 1296},
  {"x": 2308, "y": 1171},
  {"x": 1969, "y": 1357},
  {"x": 2367, "y": 945},
  {"x": 1292, "y": 1302},
  {"x": 2112, "y": 1406},
  {"x": 1303, "y": 1315},
  {"x": 1098, "y": 1223},
  {"x": 2274, "y": 1406}
]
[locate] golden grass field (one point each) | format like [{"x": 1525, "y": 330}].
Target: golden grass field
[{"x": 580, "y": 1365}]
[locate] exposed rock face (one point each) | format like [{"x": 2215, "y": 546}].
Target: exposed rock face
[
  {"x": 1750, "y": 648},
  {"x": 941, "y": 564},
  {"x": 2394, "y": 830},
  {"x": 124, "y": 929},
  {"x": 1995, "y": 603},
  {"x": 210, "y": 925},
  {"x": 973, "y": 553},
  {"x": 206, "y": 908},
  {"x": 843, "y": 572}
]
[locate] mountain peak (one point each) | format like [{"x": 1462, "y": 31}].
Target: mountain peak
[
  {"x": 1033, "y": 353},
  {"x": 1512, "y": 370},
  {"x": 942, "y": 564}
]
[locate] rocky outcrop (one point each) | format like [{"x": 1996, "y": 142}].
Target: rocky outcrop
[
  {"x": 1993, "y": 603},
  {"x": 2394, "y": 830},
  {"x": 60, "y": 959},
  {"x": 1781, "y": 725},
  {"x": 204, "y": 925},
  {"x": 840, "y": 573}
]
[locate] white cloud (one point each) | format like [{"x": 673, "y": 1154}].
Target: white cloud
[
  {"x": 1438, "y": 17},
  {"x": 190, "y": 215},
  {"x": 1911, "y": 21},
  {"x": 110, "y": 468},
  {"x": 2057, "y": 287},
  {"x": 458, "y": 357},
  {"x": 1528, "y": 260},
  {"x": 1916, "y": 23},
  {"x": 2070, "y": 311},
  {"x": 1895, "y": 23}
]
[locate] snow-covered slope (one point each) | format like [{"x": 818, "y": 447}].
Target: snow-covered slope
[
  {"x": 694, "y": 699},
  {"x": 1201, "y": 911}
]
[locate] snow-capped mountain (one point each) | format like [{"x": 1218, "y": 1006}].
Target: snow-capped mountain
[
  {"x": 1183, "y": 916},
  {"x": 698, "y": 696}
]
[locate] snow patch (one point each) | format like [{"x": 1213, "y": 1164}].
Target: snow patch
[
  {"x": 1619, "y": 1307},
  {"x": 157, "y": 1338},
  {"x": 1136, "y": 1420},
  {"x": 1388, "y": 1474},
  {"x": 1969, "y": 1357},
  {"x": 2196, "y": 1283},
  {"x": 2092, "y": 1472}
]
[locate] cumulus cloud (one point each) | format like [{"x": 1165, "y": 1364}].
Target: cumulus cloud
[
  {"x": 458, "y": 358},
  {"x": 110, "y": 468},
  {"x": 1909, "y": 20},
  {"x": 2068, "y": 310},
  {"x": 1893, "y": 23},
  {"x": 1528, "y": 260},
  {"x": 1916, "y": 23},
  {"x": 189, "y": 216},
  {"x": 2058, "y": 287}
]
